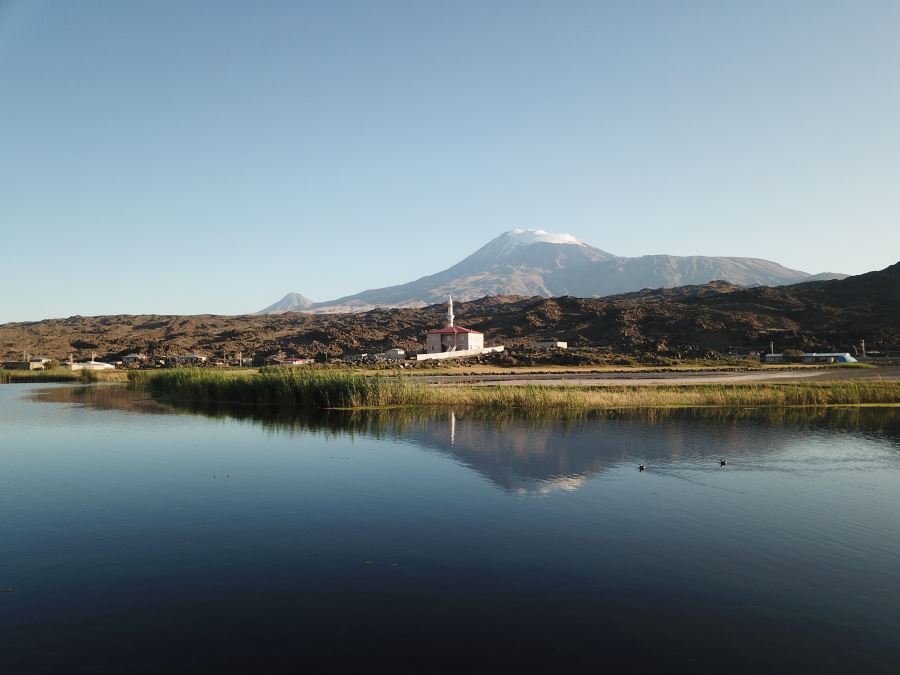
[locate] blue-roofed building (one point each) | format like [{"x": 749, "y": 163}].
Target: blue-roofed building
[{"x": 815, "y": 357}]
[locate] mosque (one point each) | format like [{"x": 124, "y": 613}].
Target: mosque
[{"x": 454, "y": 341}]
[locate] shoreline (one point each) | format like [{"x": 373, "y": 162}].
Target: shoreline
[{"x": 570, "y": 375}]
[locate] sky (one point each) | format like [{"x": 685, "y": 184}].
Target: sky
[{"x": 198, "y": 157}]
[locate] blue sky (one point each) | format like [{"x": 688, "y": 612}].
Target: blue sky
[{"x": 188, "y": 157}]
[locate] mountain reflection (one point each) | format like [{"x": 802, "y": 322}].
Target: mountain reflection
[{"x": 538, "y": 453}]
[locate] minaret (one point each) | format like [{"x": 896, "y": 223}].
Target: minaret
[{"x": 450, "y": 312}]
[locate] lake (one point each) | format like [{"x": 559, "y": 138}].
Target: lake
[{"x": 140, "y": 538}]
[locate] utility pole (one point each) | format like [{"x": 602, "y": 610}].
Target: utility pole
[
  {"x": 862, "y": 344},
  {"x": 772, "y": 347}
]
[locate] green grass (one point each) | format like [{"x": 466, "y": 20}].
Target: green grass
[
  {"x": 294, "y": 388},
  {"x": 286, "y": 387},
  {"x": 55, "y": 375},
  {"x": 60, "y": 375}
]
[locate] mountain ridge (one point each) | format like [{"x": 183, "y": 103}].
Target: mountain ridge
[
  {"x": 691, "y": 320},
  {"x": 536, "y": 262}
]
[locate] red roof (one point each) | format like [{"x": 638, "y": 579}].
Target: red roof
[{"x": 452, "y": 331}]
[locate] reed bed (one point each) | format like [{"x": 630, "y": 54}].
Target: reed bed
[
  {"x": 692, "y": 395},
  {"x": 283, "y": 387},
  {"x": 23, "y": 376},
  {"x": 312, "y": 388},
  {"x": 61, "y": 375}
]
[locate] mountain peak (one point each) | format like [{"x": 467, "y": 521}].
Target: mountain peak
[
  {"x": 292, "y": 302},
  {"x": 537, "y": 262}
]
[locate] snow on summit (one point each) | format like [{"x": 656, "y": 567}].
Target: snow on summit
[{"x": 522, "y": 237}]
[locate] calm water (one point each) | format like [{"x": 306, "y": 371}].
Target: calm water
[{"x": 139, "y": 539}]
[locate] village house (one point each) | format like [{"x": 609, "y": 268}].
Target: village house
[
  {"x": 32, "y": 363},
  {"x": 188, "y": 360},
  {"x": 291, "y": 361},
  {"x": 551, "y": 344}
]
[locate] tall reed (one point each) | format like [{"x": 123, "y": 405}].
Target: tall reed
[
  {"x": 319, "y": 389},
  {"x": 23, "y": 376}
]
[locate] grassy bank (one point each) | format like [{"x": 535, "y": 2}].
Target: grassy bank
[
  {"x": 60, "y": 375},
  {"x": 321, "y": 389},
  {"x": 462, "y": 368}
]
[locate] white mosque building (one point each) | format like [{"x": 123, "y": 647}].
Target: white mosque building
[{"x": 454, "y": 341}]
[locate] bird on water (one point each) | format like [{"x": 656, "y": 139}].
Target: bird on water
[
  {"x": 722, "y": 462},
  {"x": 641, "y": 467}
]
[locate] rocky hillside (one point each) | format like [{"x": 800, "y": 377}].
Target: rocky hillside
[
  {"x": 534, "y": 262},
  {"x": 821, "y": 315}
]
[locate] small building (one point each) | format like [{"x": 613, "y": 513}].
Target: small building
[
  {"x": 815, "y": 357},
  {"x": 188, "y": 360},
  {"x": 835, "y": 357},
  {"x": 20, "y": 365},
  {"x": 31, "y": 363},
  {"x": 551, "y": 344},
  {"x": 88, "y": 365},
  {"x": 133, "y": 359},
  {"x": 354, "y": 358},
  {"x": 735, "y": 354},
  {"x": 394, "y": 354},
  {"x": 291, "y": 361},
  {"x": 452, "y": 339}
]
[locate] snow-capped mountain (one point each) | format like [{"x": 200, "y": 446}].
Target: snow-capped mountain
[{"x": 535, "y": 262}]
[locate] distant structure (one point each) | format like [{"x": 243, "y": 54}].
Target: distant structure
[
  {"x": 454, "y": 341},
  {"x": 814, "y": 357},
  {"x": 291, "y": 361},
  {"x": 188, "y": 360},
  {"x": 27, "y": 363},
  {"x": 93, "y": 364},
  {"x": 551, "y": 344}
]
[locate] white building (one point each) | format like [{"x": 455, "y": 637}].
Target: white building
[
  {"x": 395, "y": 354},
  {"x": 454, "y": 341},
  {"x": 291, "y": 361},
  {"x": 452, "y": 338},
  {"x": 89, "y": 365},
  {"x": 551, "y": 344},
  {"x": 814, "y": 357},
  {"x": 189, "y": 360}
]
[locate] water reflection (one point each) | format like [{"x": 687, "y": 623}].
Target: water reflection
[
  {"x": 396, "y": 537},
  {"x": 539, "y": 453}
]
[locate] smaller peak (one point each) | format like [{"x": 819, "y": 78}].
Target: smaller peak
[{"x": 292, "y": 302}]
